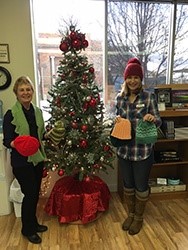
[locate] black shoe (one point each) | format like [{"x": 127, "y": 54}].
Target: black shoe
[
  {"x": 41, "y": 228},
  {"x": 34, "y": 239}
]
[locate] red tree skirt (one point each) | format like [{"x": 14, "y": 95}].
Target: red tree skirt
[{"x": 78, "y": 201}]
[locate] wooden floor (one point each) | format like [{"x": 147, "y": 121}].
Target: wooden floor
[{"x": 165, "y": 227}]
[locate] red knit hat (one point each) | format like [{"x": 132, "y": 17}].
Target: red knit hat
[
  {"x": 26, "y": 145},
  {"x": 133, "y": 68}
]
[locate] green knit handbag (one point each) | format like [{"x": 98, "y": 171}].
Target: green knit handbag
[{"x": 146, "y": 132}]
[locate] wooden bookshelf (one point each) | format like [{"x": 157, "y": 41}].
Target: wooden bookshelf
[{"x": 177, "y": 169}]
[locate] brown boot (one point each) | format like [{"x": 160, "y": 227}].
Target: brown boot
[
  {"x": 140, "y": 203},
  {"x": 130, "y": 199}
]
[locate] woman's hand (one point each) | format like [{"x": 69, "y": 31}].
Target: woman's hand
[
  {"x": 117, "y": 119},
  {"x": 12, "y": 144},
  {"x": 149, "y": 118}
]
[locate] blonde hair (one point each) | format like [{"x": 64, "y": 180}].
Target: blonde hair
[
  {"x": 22, "y": 80},
  {"x": 125, "y": 90}
]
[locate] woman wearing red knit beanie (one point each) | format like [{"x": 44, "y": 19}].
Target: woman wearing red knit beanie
[{"x": 135, "y": 160}]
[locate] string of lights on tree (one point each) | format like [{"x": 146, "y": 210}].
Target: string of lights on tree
[{"x": 79, "y": 144}]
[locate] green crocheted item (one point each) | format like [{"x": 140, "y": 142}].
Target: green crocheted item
[
  {"x": 146, "y": 132},
  {"x": 56, "y": 134}
]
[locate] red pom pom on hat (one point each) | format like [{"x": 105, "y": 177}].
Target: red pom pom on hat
[
  {"x": 26, "y": 145},
  {"x": 134, "y": 60},
  {"x": 133, "y": 68}
]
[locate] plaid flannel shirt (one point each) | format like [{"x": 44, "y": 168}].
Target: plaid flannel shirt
[{"x": 144, "y": 103}]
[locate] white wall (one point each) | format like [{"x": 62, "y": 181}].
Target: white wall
[{"x": 16, "y": 31}]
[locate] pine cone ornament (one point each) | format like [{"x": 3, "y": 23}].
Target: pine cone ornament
[{"x": 56, "y": 134}]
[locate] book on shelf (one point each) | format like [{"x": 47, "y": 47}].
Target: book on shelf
[
  {"x": 166, "y": 156},
  {"x": 179, "y": 98},
  {"x": 168, "y": 129}
]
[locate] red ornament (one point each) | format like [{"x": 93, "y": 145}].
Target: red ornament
[
  {"x": 44, "y": 173},
  {"x": 93, "y": 103},
  {"x": 73, "y": 35},
  {"x": 76, "y": 44},
  {"x": 63, "y": 76},
  {"x": 74, "y": 125},
  {"x": 63, "y": 46},
  {"x": 106, "y": 147},
  {"x": 58, "y": 102},
  {"x": 83, "y": 143},
  {"x": 85, "y": 106},
  {"x": 72, "y": 113},
  {"x": 84, "y": 128},
  {"x": 85, "y": 43},
  {"x": 84, "y": 78},
  {"x": 91, "y": 70},
  {"x": 61, "y": 172},
  {"x": 96, "y": 166}
]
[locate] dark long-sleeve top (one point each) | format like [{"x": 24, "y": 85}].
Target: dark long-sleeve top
[{"x": 9, "y": 135}]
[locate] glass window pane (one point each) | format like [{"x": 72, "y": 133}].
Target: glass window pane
[
  {"x": 180, "y": 66},
  {"x": 137, "y": 30},
  {"x": 53, "y": 17}
]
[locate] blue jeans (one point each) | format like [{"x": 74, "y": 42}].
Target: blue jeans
[{"x": 136, "y": 173}]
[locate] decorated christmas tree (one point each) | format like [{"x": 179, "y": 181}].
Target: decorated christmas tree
[{"x": 78, "y": 141}]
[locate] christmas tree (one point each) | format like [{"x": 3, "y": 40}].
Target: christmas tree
[{"x": 78, "y": 142}]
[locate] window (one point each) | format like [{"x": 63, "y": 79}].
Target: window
[
  {"x": 154, "y": 31},
  {"x": 180, "y": 62},
  {"x": 51, "y": 18}
]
